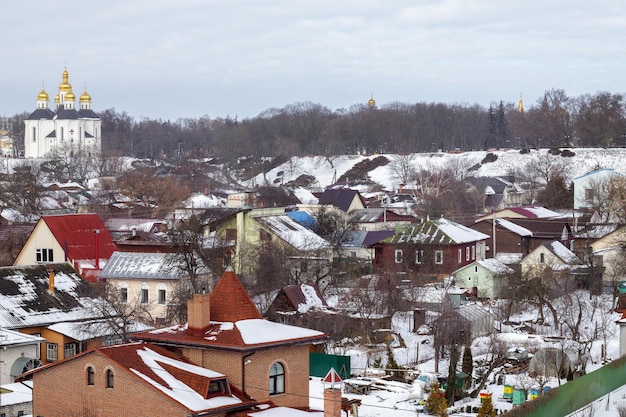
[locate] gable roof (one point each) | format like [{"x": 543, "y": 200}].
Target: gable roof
[
  {"x": 26, "y": 302},
  {"x": 364, "y": 239},
  {"x": 437, "y": 232},
  {"x": 495, "y": 266},
  {"x": 303, "y": 297},
  {"x": 236, "y": 324},
  {"x": 143, "y": 265},
  {"x": 341, "y": 198},
  {"x": 76, "y": 234},
  {"x": 176, "y": 378},
  {"x": 561, "y": 252}
]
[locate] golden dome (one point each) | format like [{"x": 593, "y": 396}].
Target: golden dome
[
  {"x": 85, "y": 98},
  {"x": 57, "y": 98},
  {"x": 371, "y": 102},
  {"x": 69, "y": 96},
  {"x": 65, "y": 85},
  {"x": 42, "y": 96}
]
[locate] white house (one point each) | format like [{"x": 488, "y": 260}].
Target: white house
[{"x": 585, "y": 186}]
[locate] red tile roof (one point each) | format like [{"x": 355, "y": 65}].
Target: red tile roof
[
  {"x": 75, "y": 233},
  {"x": 230, "y": 301}
]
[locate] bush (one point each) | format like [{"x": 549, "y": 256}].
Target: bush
[
  {"x": 567, "y": 153},
  {"x": 490, "y": 157}
]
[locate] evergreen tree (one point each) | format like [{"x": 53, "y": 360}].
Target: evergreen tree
[
  {"x": 436, "y": 403},
  {"x": 467, "y": 366},
  {"x": 486, "y": 408},
  {"x": 451, "y": 387}
]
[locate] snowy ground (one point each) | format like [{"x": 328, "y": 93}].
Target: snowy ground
[
  {"x": 401, "y": 400},
  {"x": 509, "y": 161}
]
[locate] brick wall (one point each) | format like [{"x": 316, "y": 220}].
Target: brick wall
[
  {"x": 62, "y": 390},
  {"x": 295, "y": 360}
]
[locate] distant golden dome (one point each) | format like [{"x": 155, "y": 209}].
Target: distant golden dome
[
  {"x": 42, "y": 96},
  {"x": 371, "y": 102},
  {"x": 69, "y": 96},
  {"x": 57, "y": 98},
  {"x": 85, "y": 98},
  {"x": 65, "y": 85}
]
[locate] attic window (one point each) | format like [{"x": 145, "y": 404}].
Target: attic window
[
  {"x": 44, "y": 255},
  {"x": 218, "y": 387}
]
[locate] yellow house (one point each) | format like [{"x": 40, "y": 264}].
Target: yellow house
[{"x": 53, "y": 302}]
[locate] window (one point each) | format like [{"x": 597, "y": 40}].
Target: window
[
  {"x": 90, "y": 375},
  {"x": 44, "y": 255},
  {"x": 589, "y": 194},
  {"x": 475, "y": 268},
  {"x": 218, "y": 386},
  {"x": 124, "y": 295},
  {"x": 398, "y": 256},
  {"x": 112, "y": 340},
  {"x": 438, "y": 257},
  {"x": 52, "y": 352},
  {"x": 460, "y": 256},
  {"x": 20, "y": 413},
  {"x": 34, "y": 134},
  {"x": 109, "y": 375},
  {"x": 277, "y": 379},
  {"x": 419, "y": 255},
  {"x": 473, "y": 253},
  {"x": 70, "y": 350},
  {"x": 542, "y": 258},
  {"x": 161, "y": 294},
  {"x": 231, "y": 234},
  {"x": 467, "y": 253},
  {"x": 144, "y": 294}
]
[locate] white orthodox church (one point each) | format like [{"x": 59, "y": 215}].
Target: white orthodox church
[{"x": 65, "y": 130}]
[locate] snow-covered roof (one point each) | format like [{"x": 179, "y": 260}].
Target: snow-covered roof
[
  {"x": 437, "y": 232},
  {"x": 495, "y": 266},
  {"x": 83, "y": 331},
  {"x": 293, "y": 232},
  {"x": 16, "y": 393},
  {"x": 143, "y": 265},
  {"x": 10, "y": 338},
  {"x": 509, "y": 225},
  {"x": 560, "y": 251},
  {"x": 25, "y": 300}
]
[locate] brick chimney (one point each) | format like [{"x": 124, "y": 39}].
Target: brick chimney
[
  {"x": 332, "y": 402},
  {"x": 199, "y": 312},
  {"x": 50, "y": 280}
]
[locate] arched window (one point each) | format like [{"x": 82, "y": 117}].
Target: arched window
[
  {"x": 109, "y": 378},
  {"x": 90, "y": 375},
  {"x": 277, "y": 379}
]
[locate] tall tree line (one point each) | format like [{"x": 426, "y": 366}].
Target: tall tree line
[{"x": 597, "y": 120}]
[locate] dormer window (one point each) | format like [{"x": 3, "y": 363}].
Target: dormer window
[
  {"x": 218, "y": 387},
  {"x": 44, "y": 255}
]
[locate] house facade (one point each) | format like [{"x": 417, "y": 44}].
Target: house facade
[
  {"x": 553, "y": 256},
  {"x": 81, "y": 240},
  {"x": 147, "y": 280},
  {"x": 251, "y": 231},
  {"x": 487, "y": 278},
  {"x": 587, "y": 186},
  {"x": 432, "y": 249},
  {"x": 137, "y": 379}
]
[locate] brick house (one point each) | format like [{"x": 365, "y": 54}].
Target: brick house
[
  {"x": 226, "y": 333},
  {"x": 134, "y": 379},
  {"x": 432, "y": 249}
]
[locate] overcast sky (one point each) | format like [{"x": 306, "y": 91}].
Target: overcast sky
[{"x": 188, "y": 58}]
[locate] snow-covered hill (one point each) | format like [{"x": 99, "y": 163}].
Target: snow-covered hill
[{"x": 326, "y": 172}]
